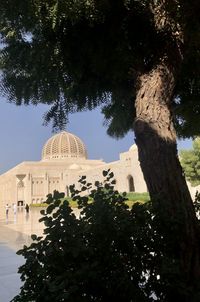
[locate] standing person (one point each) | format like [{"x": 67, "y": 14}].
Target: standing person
[
  {"x": 27, "y": 208},
  {"x": 27, "y": 212},
  {"x": 7, "y": 210}
]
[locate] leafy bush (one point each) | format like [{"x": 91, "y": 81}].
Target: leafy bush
[
  {"x": 131, "y": 199},
  {"x": 109, "y": 253},
  {"x": 134, "y": 196},
  {"x": 72, "y": 203}
]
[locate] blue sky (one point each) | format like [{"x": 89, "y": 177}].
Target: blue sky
[{"x": 23, "y": 135}]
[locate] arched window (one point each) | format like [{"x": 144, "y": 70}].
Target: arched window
[{"x": 131, "y": 186}]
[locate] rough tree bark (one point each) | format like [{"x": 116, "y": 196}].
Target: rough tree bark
[{"x": 156, "y": 141}]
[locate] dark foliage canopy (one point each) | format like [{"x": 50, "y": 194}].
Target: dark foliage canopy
[{"x": 77, "y": 54}]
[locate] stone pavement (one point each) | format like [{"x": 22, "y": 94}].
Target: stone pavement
[{"x": 14, "y": 233}]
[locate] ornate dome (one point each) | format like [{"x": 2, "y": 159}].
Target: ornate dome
[
  {"x": 64, "y": 145},
  {"x": 133, "y": 147}
]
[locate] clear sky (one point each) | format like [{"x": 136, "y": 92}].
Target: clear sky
[{"x": 23, "y": 135}]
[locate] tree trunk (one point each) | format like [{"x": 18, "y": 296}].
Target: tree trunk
[{"x": 156, "y": 141}]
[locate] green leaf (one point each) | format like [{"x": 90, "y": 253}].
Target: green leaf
[
  {"x": 42, "y": 212},
  {"x": 50, "y": 208},
  {"x": 105, "y": 173},
  {"x": 34, "y": 237},
  {"x": 84, "y": 188}
]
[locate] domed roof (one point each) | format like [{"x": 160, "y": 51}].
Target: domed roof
[
  {"x": 64, "y": 145},
  {"x": 133, "y": 147}
]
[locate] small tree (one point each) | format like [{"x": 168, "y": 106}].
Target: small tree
[
  {"x": 111, "y": 253},
  {"x": 190, "y": 161}
]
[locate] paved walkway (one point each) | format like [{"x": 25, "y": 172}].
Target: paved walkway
[{"x": 14, "y": 233}]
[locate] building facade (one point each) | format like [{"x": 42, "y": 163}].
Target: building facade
[{"x": 64, "y": 161}]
